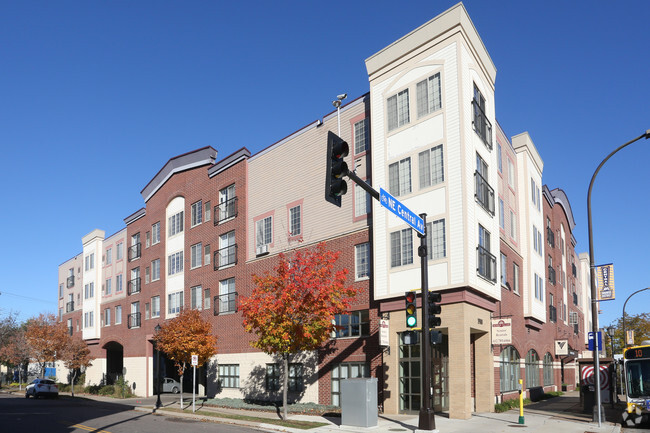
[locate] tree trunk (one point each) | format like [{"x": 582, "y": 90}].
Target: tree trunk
[
  {"x": 181, "y": 392},
  {"x": 285, "y": 384},
  {"x": 74, "y": 375}
]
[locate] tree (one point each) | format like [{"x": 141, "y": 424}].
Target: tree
[
  {"x": 639, "y": 323},
  {"x": 16, "y": 353},
  {"x": 46, "y": 338},
  {"x": 185, "y": 335},
  {"x": 76, "y": 356},
  {"x": 293, "y": 309}
]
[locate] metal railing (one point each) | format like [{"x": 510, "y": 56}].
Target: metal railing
[
  {"x": 133, "y": 320},
  {"x": 552, "y": 313},
  {"x": 482, "y": 125},
  {"x": 551, "y": 275},
  {"x": 134, "y": 251},
  {"x": 550, "y": 237},
  {"x": 69, "y": 281},
  {"x": 487, "y": 264},
  {"x": 226, "y": 303},
  {"x": 225, "y": 210},
  {"x": 69, "y": 306},
  {"x": 225, "y": 257},
  {"x": 133, "y": 286},
  {"x": 484, "y": 193}
]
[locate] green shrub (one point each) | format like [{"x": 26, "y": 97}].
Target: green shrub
[
  {"x": 92, "y": 389},
  {"x": 107, "y": 390},
  {"x": 507, "y": 405},
  {"x": 63, "y": 387}
]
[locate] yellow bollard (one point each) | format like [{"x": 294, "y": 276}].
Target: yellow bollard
[{"x": 521, "y": 402}]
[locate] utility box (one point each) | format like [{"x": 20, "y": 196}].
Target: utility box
[{"x": 359, "y": 402}]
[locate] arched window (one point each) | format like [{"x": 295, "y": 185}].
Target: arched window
[
  {"x": 532, "y": 369},
  {"x": 548, "y": 369},
  {"x": 509, "y": 369}
]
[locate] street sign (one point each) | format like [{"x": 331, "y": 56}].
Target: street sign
[
  {"x": 590, "y": 338},
  {"x": 195, "y": 359},
  {"x": 398, "y": 208}
]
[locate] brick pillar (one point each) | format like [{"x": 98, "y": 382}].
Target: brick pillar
[
  {"x": 460, "y": 374},
  {"x": 484, "y": 369}
]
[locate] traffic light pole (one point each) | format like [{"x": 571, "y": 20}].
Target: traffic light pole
[{"x": 427, "y": 419}]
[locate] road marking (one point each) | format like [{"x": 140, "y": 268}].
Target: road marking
[{"x": 85, "y": 427}]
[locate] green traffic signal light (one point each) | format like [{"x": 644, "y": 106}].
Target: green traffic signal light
[
  {"x": 411, "y": 310},
  {"x": 335, "y": 186}
]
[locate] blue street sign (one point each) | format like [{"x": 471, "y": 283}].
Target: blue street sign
[
  {"x": 396, "y": 207},
  {"x": 590, "y": 338}
]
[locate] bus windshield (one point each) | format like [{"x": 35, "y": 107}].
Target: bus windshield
[{"x": 638, "y": 378}]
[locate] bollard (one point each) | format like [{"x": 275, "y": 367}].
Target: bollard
[{"x": 521, "y": 402}]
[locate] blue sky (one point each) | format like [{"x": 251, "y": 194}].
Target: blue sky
[{"x": 96, "y": 96}]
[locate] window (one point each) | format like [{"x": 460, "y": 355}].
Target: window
[
  {"x": 155, "y": 270},
  {"x": 534, "y": 193},
  {"x": 483, "y": 193},
  {"x": 504, "y": 269},
  {"x": 118, "y": 283},
  {"x": 361, "y": 136},
  {"x": 431, "y": 167},
  {"x": 108, "y": 286},
  {"x": 354, "y": 324},
  {"x": 155, "y": 233},
  {"x": 206, "y": 254},
  {"x": 486, "y": 261},
  {"x": 175, "y": 263},
  {"x": 537, "y": 240},
  {"x": 175, "y": 224},
  {"x": 134, "y": 250},
  {"x": 398, "y": 110},
  {"x": 147, "y": 311},
  {"x": 227, "y": 249},
  {"x": 61, "y": 290},
  {"x": 206, "y": 299},
  {"x": 197, "y": 213},
  {"x": 264, "y": 231},
  {"x": 347, "y": 370},
  {"x": 428, "y": 95},
  {"x": 513, "y": 226},
  {"x": 229, "y": 375},
  {"x": 499, "y": 158},
  {"x": 361, "y": 201},
  {"x": 482, "y": 125},
  {"x": 552, "y": 310},
  {"x": 227, "y": 203},
  {"x": 119, "y": 253},
  {"x": 89, "y": 319},
  {"x": 295, "y": 377},
  {"x": 134, "y": 317},
  {"x": 295, "y": 219},
  {"x": 174, "y": 302},
  {"x": 399, "y": 177},
  {"x": 511, "y": 173},
  {"x": 196, "y": 299},
  {"x": 539, "y": 288},
  {"x": 90, "y": 261},
  {"x": 509, "y": 369},
  {"x": 272, "y": 377},
  {"x": 548, "y": 369},
  {"x": 208, "y": 211},
  {"x": 109, "y": 256},
  {"x": 532, "y": 369},
  {"x": 196, "y": 253},
  {"x": 89, "y": 290},
  {"x": 362, "y": 261},
  {"x": 148, "y": 239},
  {"x": 107, "y": 317},
  {"x": 147, "y": 275},
  {"x": 502, "y": 217},
  {"x": 155, "y": 306},
  {"x": 436, "y": 240},
  {"x": 227, "y": 296},
  {"x": 515, "y": 277},
  {"x": 401, "y": 248}
]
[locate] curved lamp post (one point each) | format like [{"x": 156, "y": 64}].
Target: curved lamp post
[
  {"x": 158, "y": 402},
  {"x": 594, "y": 297},
  {"x": 624, "y": 304}
]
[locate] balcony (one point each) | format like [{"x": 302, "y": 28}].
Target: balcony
[
  {"x": 574, "y": 270},
  {"x": 575, "y": 298},
  {"x": 133, "y": 320},
  {"x": 482, "y": 125},
  {"x": 226, "y": 210},
  {"x": 69, "y": 281},
  {"x": 226, "y": 303},
  {"x": 69, "y": 307},
  {"x": 487, "y": 264},
  {"x": 551, "y": 275},
  {"x": 484, "y": 193},
  {"x": 225, "y": 257},
  {"x": 550, "y": 237},
  {"x": 552, "y": 313},
  {"x": 134, "y": 252},
  {"x": 576, "y": 329},
  {"x": 70, "y": 330},
  {"x": 133, "y": 286}
]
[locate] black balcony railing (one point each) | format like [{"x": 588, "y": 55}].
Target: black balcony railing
[
  {"x": 226, "y": 303},
  {"x": 551, "y": 275},
  {"x": 70, "y": 330},
  {"x": 574, "y": 270},
  {"x": 487, "y": 264},
  {"x": 575, "y": 298},
  {"x": 225, "y": 210},
  {"x": 134, "y": 251},
  {"x": 576, "y": 329},
  {"x": 552, "y": 313},
  {"x": 133, "y": 320},
  {"x": 69, "y": 307},
  {"x": 550, "y": 237},
  {"x": 484, "y": 193},
  {"x": 133, "y": 286},
  {"x": 69, "y": 282},
  {"x": 225, "y": 257},
  {"x": 482, "y": 125}
]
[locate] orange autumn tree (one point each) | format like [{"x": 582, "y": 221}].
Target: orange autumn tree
[
  {"x": 292, "y": 310},
  {"x": 76, "y": 356},
  {"x": 183, "y": 336},
  {"x": 46, "y": 338}
]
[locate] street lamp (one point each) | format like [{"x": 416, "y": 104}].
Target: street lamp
[
  {"x": 337, "y": 103},
  {"x": 624, "y": 328},
  {"x": 158, "y": 402},
  {"x": 594, "y": 297},
  {"x": 610, "y": 333}
]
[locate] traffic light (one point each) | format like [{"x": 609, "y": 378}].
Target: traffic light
[
  {"x": 434, "y": 309},
  {"x": 335, "y": 186},
  {"x": 411, "y": 310}
]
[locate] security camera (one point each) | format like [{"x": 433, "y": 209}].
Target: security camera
[{"x": 342, "y": 96}]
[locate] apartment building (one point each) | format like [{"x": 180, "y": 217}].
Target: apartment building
[{"x": 500, "y": 245}]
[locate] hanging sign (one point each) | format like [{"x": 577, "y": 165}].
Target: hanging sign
[
  {"x": 605, "y": 282},
  {"x": 502, "y": 331}
]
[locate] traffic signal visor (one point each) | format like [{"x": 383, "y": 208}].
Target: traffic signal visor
[
  {"x": 335, "y": 186},
  {"x": 411, "y": 310}
]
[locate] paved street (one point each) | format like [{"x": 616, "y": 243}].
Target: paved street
[{"x": 67, "y": 415}]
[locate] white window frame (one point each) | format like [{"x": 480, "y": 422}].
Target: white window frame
[
  {"x": 155, "y": 270},
  {"x": 397, "y": 110},
  {"x": 399, "y": 177},
  {"x": 155, "y": 306},
  {"x": 362, "y": 261},
  {"x": 197, "y": 213},
  {"x": 175, "y": 263},
  {"x": 118, "y": 314},
  {"x": 428, "y": 95},
  {"x": 436, "y": 239},
  {"x": 431, "y": 165},
  {"x": 295, "y": 221},
  {"x": 155, "y": 233},
  {"x": 264, "y": 231},
  {"x": 196, "y": 256},
  {"x": 175, "y": 224},
  {"x": 401, "y": 248},
  {"x": 174, "y": 303},
  {"x": 196, "y": 298},
  {"x": 361, "y": 136}
]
